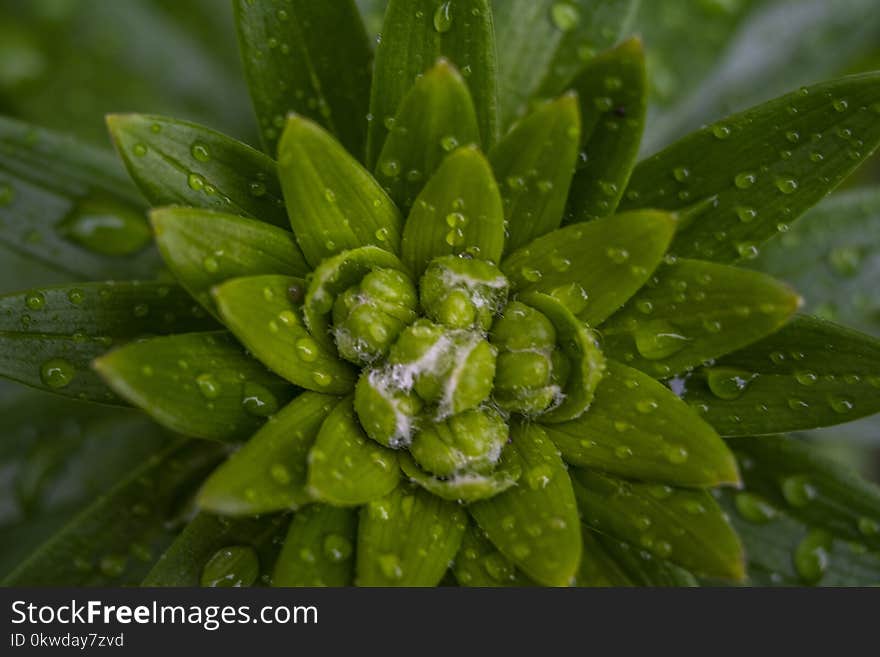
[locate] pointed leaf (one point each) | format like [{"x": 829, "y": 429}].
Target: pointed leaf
[
  {"x": 810, "y": 487},
  {"x": 644, "y": 568},
  {"x": 345, "y": 467},
  {"x": 178, "y": 162},
  {"x": 581, "y": 350},
  {"x": 543, "y": 43},
  {"x": 637, "y": 428},
  {"x": 436, "y": 115},
  {"x": 319, "y": 548},
  {"x": 49, "y": 336},
  {"x": 408, "y": 538},
  {"x": 203, "y": 248},
  {"x": 471, "y": 487},
  {"x": 594, "y": 267},
  {"x": 613, "y": 96},
  {"x": 535, "y": 162},
  {"x": 766, "y": 166},
  {"x": 598, "y": 567},
  {"x": 333, "y": 203},
  {"x": 219, "y": 552},
  {"x": 535, "y": 524},
  {"x": 113, "y": 541},
  {"x": 70, "y": 207},
  {"x": 834, "y": 255},
  {"x": 292, "y": 66},
  {"x": 683, "y": 526},
  {"x": 479, "y": 563},
  {"x": 414, "y": 36},
  {"x": 458, "y": 211},
  {"x": 808, "y": 374},
  {"x": 279, "y": 449},
  {"x": 198, "y": 384},
  {"x": 260, "y": 312},
  {"x": 694, "y": 311}
]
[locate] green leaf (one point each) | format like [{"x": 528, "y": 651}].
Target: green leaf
[
  {"x": 436, "y": 115},
  {"x": 198, "y": 384},
  {"x": 468, "y": 488},
  {"x": 49, "y": 336},
  {"x": 834, "y": 256},
  {"x": 643, "y": 568},
  {"x": 279, "y": 449},
  {"x": 479, "y": 563},
  {"x": 766, "y": 166},
  {"x": 408, "y": 538},
  {"x": 810, "y": 487},
  {"x": 345, "y": 467},
  {"x": 694, "y": 311},
  {"x": 70, "y": 207},
  {"x": 213, "y": 551},
  {"x": 417, "y": 34},
  {"x": 178, "y": 162},
  {"x": 613, "y": 101},
  {"x": 598, "y": 567},
  {"x": 114, "y": 540},
  {"x": 458, "y": 211},
  {"x": 319, "y": 548},
  {"x": 783, "y": 551},
  {"x": 809, "y": 374},
  {"x": 543, "y": 43},
  {"x": 637, "y": 428},
  {"x": 594, "y": 267},
  {"x": 684, "y": 526},
  {"x": 292, "y": 65},
  {"x": 260, "y": 312},
  {"x": 203, "y": 248},
  {"x": 535, "y": 162},
  {"x": 535, "y": 524},
  {"x": 581, "y": 351},
  {"x": 334, "y": 204}
]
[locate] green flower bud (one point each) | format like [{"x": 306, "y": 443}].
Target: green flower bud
[
  {"x": 368, "y": 317},
  {"x": 462, "y": 293},
  {"x": 452, "y": 369},
  {"x": 386, "y": 412},
  {"x": 467, "y": 442},
  {"x": 521, "y": 328}
]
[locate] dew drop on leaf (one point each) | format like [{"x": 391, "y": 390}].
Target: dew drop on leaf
[
  {"x": 565, "y": 16},
  {"x": 235, "y": 565},
  {"x": 754, "y": 508},
  {"x": 337, "y": 548},
  {"x": 57, "y": 373},
  {"x": 208, "y": 386},
  {"x": 728, "y": 384},
  {"x": 811, "y": 556},
  {"x": 658, "y": 339},
  {"x": 258, "y": 400},
  {"x": 797, "y": 490},
  {"x": 443, "y": 17},
  {"x": 200, "y": 152}
]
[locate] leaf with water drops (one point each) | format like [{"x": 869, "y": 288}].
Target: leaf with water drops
[
  {"x": 542, "y": 44},
  {"x": 198, "y": 384},
  {"x": 414, "y": 36},
  {"x": 435, "y": 117},
  {"x": 334, "y": 204},
  {"x": 809, "y": 374},
  {"x": 764, "y": 167},
  {"x": 535, "y": 524},
  {"x": 213, "y": 551},
  {"x": 408, "y": 538},
  {"x": 686, "y": 527},
  {"x": 694, "y": 311},
  {"x": 613, "y": 101},
  {"x": 792, "y": 476},
  {"x": 535, "y": 163},
  {"x": 345, "y": 467},
  {"x": 783, "y": 551},
  {"x": 834, "y": 255},
  {"x": 642, "y": 567},
  {"x": 177, "y": 162},
  {"x": 595, "y": 267},
  {"x": 49, "y": 336},
  {"x": 269, "y": 472},
  {"x": 262, "y": 312},
  {"x": 319, "y": 548},
  {"x": 114, "y": 540},
  {"x": 637, "y": 428},
  {"x": 70, "y": 207},
  {"x": 203, "y": 248},
  {"x": 458, "y": 212},
  {"x": 292, "y": 65},
  {"x": 479, "y": 563}
]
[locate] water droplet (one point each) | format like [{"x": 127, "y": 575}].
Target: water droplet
[
  {"x": 257, "y": 188},
  {"x": 539, "y": 477},
  {"x": 389, "y": 564},
  {"x": 390, "y": 168},
  {"x": 235, "y": 565},
  {"x": 443, "y": 17},
  {"x": 728, "y": 383},
  {"x": 676, "y": 454},
  {"x": 786, "y": 185},
  {"x": 658, "y": 339},
  {"x": 139, "y": 150},
  {"x": 337, "y": 548},
  {"x": 200, "y": 152},
  {"x": 681, "y": 174},
  {"x": 745, "y": 180},
  {"x": 616, "y": 255},
  {"x": 258, "y": 400},
  {"x": 841, "y": 404},
  {"x": 322, "y": 379},
  {"x": 329, "y": 195},
  {"x": 196, "y": 182},
  {"x": 106, "y": 226},
  {"x": 811, "y": 556},
  {"x": 531, "y": 274},
  {"x": 208, "y": 386},
  {"x": 797, "y": 490},
  {"x": 721, "y": 131},
  {"x": 839, "y": 105},
  {"x": 746, "y": 214},
  {"x": 210, "y": 265},
  {"x": 76, "y": 296},
  {"x": 565, "y": 16},
  {"x": 112, "y": 565},
  {"x": 754, "y": 508},
  {"x": 806, "y": 378},
  {"x": 449, "y": 143},
  {"x": 57, "y": 373},
  {"x": 647, "y": 405},
  {"x": 280, "y": 473},
  {"x": 35, "y": 300}
]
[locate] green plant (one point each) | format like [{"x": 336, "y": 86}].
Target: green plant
[{"x": 491, "y": 339}]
